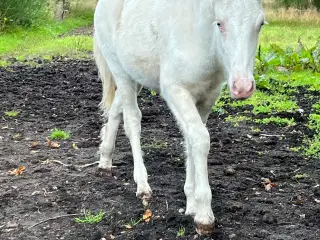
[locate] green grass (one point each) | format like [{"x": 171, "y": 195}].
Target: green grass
[
  {"x": 90, "y": 218},
  {"x": 157, "y": 144},
  {"x": 237, "y": 119},
  {"x": 132, "y": 223},
  {"x": 11, "y": 113},
  {"x": 58, "y": 134},
  {"x": 46, "y": 40},
  {"x": 295, "y": 79},
  {"x": 276, "y": 120},
  {"x": 300, "y": 176},
  {"x": 287, "y": 34},
  {"x": 264, "y": 102},
  {"x": 181, "y": 232}
]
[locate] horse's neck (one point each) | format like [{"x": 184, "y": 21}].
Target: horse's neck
[{"x": 204, "y": 19}]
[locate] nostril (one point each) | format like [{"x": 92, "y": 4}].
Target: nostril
[
  {"x": 252, "y": 87},
  {"x": 235, "y": 91}
]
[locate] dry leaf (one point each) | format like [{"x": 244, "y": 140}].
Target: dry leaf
[
  {"x": 128, "y": 226},
  {"x": 48, "y": 142},
  {"x": 17, "y": 171},
  {"x": 268, "y": 185},
  {"x": 147, "y": 215},
  {"x": 74, "y": 146},
  {"x": 52, "y": 144},
  {"x": 35, "y": 145}
]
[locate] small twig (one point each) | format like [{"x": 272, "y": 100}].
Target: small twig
[
  {"x": 69, "y": 165},
  {"x": 267, "y": 135},
  {"x": 53, "y": 218},
  {"x": 167, "y": 205},
  {"x": 87, "y": 165},
  {"x": 59, "y": 162}
]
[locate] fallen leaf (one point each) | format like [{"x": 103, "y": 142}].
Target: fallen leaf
[
  {"x": 128, "y": 226},
  {"x": 147, "y": 215},
  {"x": 55, "y": 145},
  {"x": 48, "y": 142},
  {"x": 268, "y": 185},
  {"x": 74, "y": 146},
  {"x": 35, "y": 145},
  {"x": 17, "y": 171},
  {"x": 52, "y": 144}
]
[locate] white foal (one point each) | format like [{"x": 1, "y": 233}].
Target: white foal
[{"x": 184, "y": 49}]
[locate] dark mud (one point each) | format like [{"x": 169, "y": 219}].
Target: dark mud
[{"x": 65, "y": 94}]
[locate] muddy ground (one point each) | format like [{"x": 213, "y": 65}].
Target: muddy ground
[{"x": 65, "y": 94}]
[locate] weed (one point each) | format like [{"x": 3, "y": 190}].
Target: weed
[
  {"x": 295, "y": 149},
  {"x": 316, "y": 107},
  {"x": 277, "y": 120},
  {"x": 312, "y": 146},
  {"x": 237, "y": 119},
  {"x": 59, "y": 134},
  {"x": 132, "y": 223},
  {"x": 25, "y": 42},
  {"x": 153, "y": 92},
  {"x": 181, "y": 232},
  {"x": 12, "y": 113},
  {"x": 255, "y": 130},
  {"x": 158, "y": 144},
  {"x": 300, "y": 176},
  {"x": 90, "y": 218}
]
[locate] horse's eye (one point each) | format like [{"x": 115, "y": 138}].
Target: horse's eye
[{"x": 219, "y": 24}]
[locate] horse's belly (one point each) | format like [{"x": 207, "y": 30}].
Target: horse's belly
[{"x": 143, "y": 68}]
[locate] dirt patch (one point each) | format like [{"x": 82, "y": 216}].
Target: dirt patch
[
  {"x": 83, "y": 31},
  {"x": 65, "y": 94}
]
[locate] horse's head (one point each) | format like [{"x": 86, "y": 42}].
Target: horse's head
[{"x": 237, "y": 27}]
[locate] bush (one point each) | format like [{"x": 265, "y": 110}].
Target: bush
[
  {"x": 300, "y": 4},
  {"x": 316, "y": 3},
  {"x": 24, "y": 13}
]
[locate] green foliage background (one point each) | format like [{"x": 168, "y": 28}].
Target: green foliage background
[
  {"x": 300, "y": 4},
  {"x": 24, "y": 13}
]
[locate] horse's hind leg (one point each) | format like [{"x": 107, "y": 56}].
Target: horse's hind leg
[
  {"x": 132, "y": 124},
  {"x": 109, "y": 133}
]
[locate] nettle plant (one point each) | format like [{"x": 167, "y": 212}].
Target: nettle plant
[{"x": 290, "y": 59}]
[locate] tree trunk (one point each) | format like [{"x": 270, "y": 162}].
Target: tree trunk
[
  {"x": 62, "y": 8},
  {"x": 59, "y": 10}
]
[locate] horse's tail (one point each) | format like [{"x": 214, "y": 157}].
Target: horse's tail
[{"x": 108, "y": 84}]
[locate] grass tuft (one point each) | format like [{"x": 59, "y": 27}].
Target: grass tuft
[
  {"x": 277, "y": 121},
  {"x": 12, "y": 113},
  {"x": 58, "y": 134},
  {"x": 181, "y": 232},
  {"x": 90, "y": 218}
]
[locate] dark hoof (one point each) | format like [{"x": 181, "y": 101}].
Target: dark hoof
[{"x": 204, "y": 229}]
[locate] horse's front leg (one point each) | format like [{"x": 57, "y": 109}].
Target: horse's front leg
[{"x": 197, "y": 136}]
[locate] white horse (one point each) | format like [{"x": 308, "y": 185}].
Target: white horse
[{"x": 184, "y": 49}]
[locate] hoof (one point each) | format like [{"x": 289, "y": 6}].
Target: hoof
[
  {"x": 144, "y": 196},
  {"x": 102, "y": 172},
  {"x": 202, "y": 229}
]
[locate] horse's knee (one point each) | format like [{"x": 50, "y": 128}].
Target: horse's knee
[
  {"x": 132, "y": 121},
  {"x": 199, "y": 137}
]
